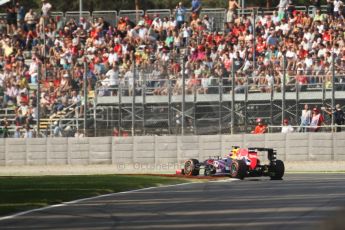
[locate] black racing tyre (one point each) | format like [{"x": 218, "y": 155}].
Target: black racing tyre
[
  {"x": 238, "y": 169},
  {"x": 277, "y": 170},
  {"x": 209, "y": 170},
  {"x": 191, "y": 167}
]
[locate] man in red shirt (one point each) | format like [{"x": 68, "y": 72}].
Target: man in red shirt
[{"x": 260, "y": 127}]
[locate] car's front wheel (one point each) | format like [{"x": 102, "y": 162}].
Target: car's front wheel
[{"x": 238, "y": 169}]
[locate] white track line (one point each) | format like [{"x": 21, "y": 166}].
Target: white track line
[{"x": 85, "y": 199}]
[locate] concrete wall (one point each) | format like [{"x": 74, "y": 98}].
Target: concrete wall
[{"x": 165, "y": 152}]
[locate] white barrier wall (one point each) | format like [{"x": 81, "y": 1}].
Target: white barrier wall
[
  {"x": 167, "y": 150},
  {"x": 339, "y": 147},
  {"x": 57, "y": 151}
]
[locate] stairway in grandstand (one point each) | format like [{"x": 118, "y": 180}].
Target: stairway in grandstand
[
  {"x": 10, "y": 114},
  {"x": 66, "y": 119},
  {"x": 47, "y": 123}
]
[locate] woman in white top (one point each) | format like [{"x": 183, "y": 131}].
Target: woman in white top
[{"x": 305, "y": 118}]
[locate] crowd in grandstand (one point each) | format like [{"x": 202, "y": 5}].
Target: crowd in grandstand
[{"x": 154, "y": 48}]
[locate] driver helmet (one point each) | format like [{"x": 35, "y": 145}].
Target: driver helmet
[{"x": 234, "y": 150}]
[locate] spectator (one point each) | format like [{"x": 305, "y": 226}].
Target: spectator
[
  {"x": 305, "y": 118},
  {"x": 11, "y": 18},
  {"x": 22, "y": 113},
  {"x": 11, "y": 94},
  {"x": 47, "y": 103},
  {"x": 287, "y": 128},
  {"x": 76, "y": 101},
  {"x": 337, "y": 116},
  {"x": 58, "y": 131},
  {"x": 282, "y": 6},
  {"x": 330, "y": 8},
  {"x": 4, "y": 132},
  {"x": 46, "y": 8},
  {"x": 129, "y": 75},
  {"x": 196, "y": 8},
  {"x": 316, "y": 121},
  {"x": 233, "y": 6},
  {"x": 337, "y": 4},
  {"x": 205, "y": 83},
  {"x": 20, "y": 14},
  {"x": 79, "y": 134},
  {"x": 118, "y": 133},
  {"x": 113, "y": 79},
  {"x": 260, "y": 128},
  {"x": 180, "y": 15},
  {"x": 17, "y": 133},
  {"x": 28, "y": 132},
  {"x": 30, "y": 20}
]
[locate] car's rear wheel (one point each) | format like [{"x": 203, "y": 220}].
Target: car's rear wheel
[
  {"x": 191, "y": 167},
  {"x": 277, "y": 170},
  {"x": 238, "y": 169}
]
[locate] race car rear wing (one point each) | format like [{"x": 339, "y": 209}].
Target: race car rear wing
[{"x": 271, "y": 153}]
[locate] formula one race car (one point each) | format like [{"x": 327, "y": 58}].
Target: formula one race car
[{"x": 240, "y": 163}]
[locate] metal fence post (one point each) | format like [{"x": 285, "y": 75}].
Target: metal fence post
[
  {"x": 85, "y": 96},
  {"x": 183, "y": 93},
  {"x": 80, "y": 9},
  {"x": 169, "y": 107},
  {"x": 120, "y": 109},
  {"x": 254, "y": 38},
  {"x": 297, "y": 99},
  {"x": 220, "y": 104},
  {"x": 133, "y": 97},
  {"x": 95, "y": 114},
  {"x": 283, "y": 89},
  {"x": 232, "y": 97},
  {"x": 143, "y": 90},
  {"x": 333, "y": 89},
  {"x": 38, "y": 99}
]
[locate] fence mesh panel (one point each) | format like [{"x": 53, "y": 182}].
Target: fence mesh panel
[{"x": 109, "y": 16}]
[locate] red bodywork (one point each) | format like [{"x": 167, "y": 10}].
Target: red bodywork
[{"x": 251, "y": 155}]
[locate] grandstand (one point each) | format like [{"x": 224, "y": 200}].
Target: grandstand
[{"x": 155, "y": 73}]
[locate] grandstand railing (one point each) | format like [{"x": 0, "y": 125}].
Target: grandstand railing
[
  {"x": 75, "y": 15},
  {"x": 166, "y": 96},
  {"x": 216, "y": 15},
  {"x": 109, "y": 16},
  {"x": 147, "y": 86},
  {"x": 161, "y": 13},
  {"x": 133, "y": 15}
]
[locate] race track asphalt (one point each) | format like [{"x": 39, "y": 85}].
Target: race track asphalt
[{"x": 300, "y": 201}]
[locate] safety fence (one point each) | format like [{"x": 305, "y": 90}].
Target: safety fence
[
  {"x": 143, "y": 103},
  {"x": 133, "y": 15},
  {"x": 161, "y": 13},
  {"x": 109, "y": 16},
  {"x": 75, "y": 15}
]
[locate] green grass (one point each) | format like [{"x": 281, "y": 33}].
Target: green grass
[{"x": 24, "y": 193}]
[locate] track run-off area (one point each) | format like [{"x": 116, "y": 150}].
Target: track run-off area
[{"x": 299, "y": 201}]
